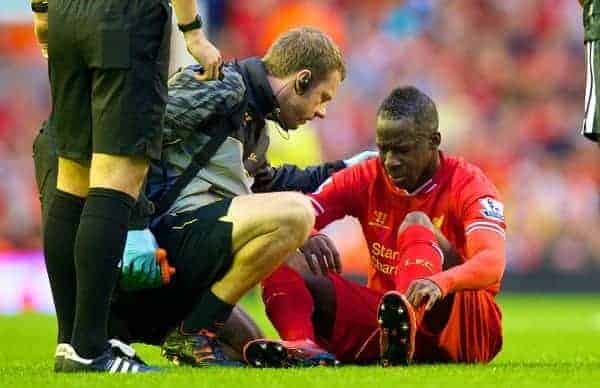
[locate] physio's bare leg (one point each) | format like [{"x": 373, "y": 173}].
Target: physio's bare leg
[
  {"x": 114, "y": 185},
  {"x": 266, "y": 229}
]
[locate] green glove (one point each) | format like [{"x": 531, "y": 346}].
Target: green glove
[{"x": 140, "y": 269}]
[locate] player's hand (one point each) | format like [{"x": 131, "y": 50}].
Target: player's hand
[
  {"x": 423, "y": 291},
  {"x": 321, "y": 254},
  {"x": 144, "y": 264},
  {"x": 360, "y": 157},
  {"x": 205, "y": 53},
  {"x": 40, "y": 27}
]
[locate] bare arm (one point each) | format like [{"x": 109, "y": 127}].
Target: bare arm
[
  {"x": 197, "y": 44},
  {"x": 40, "y": 27}
]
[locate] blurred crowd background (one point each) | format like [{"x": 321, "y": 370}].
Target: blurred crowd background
[{"x": 508, "y": 78}]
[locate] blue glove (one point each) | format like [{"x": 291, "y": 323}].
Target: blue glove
[
  {"x": 139, "y": 267},
  {"x": 358, "y": 158}
]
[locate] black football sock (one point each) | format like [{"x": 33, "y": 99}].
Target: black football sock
[
  {"x": 210, "y": 313},
  {"x": 98, "y": 249},
  {"x": 59, "y": 234}
]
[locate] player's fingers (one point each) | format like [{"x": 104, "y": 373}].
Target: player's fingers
[
  {"x": 410, "y": 294},
  {"x": 335, "y": 256},
  {"x": 309, "y": 257},
  {"x": 327, "y": 256},
  {"x": 220, "y": 74},
  {"x": 431, "y": 301},
  {"x": 211, "y": 70},
  {"x": 418, "y": 298},
  {"x": 322, "y": 264}
]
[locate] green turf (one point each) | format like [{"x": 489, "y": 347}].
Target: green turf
[{"x": 550, "y": 340}]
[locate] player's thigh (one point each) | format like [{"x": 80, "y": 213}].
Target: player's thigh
[
  {"x": 261, "y": 214},
  {"x": 355, "y": 336},
  {"x": 129, "y": 57},
  {"x": 473, "y": 332},
  {"x": 198, "y": 244}
]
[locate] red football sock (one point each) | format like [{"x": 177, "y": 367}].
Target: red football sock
[
  {"x": 289, "y": 304},
  {"x": 420, "y": 256}
]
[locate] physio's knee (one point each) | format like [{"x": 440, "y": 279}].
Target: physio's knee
[{"x": 296, "y": 218}]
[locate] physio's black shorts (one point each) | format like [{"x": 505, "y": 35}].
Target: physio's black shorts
[
  {"x": 108, "y": 65},
  {"x": 199, "y": 246}
]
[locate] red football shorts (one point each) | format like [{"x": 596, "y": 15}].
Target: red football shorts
[{"x": 473, "y": 332}]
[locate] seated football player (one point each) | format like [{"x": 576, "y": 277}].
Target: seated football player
[{"x": 434, "y": 226}]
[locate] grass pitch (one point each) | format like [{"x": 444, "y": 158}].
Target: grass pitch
[{"x": 549, "y": 340}]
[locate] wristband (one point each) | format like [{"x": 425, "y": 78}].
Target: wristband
[
  {"x": 194, "y": 25},
  {"x": 40, "y": 7}
]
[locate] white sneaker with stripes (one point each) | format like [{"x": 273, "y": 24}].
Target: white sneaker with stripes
[{"x": 111, "y": 361}]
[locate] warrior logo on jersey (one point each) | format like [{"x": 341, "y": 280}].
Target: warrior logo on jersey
[
  {"x": 492, "y": 209},
  {"x": 379, "y": 219}
]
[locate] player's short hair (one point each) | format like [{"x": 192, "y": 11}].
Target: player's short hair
[
  {"x": 304, "y": 48},
  {"x": 409, "y": 102}
]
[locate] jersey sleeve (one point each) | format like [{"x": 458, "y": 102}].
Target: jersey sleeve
[
  {"x": 339, "y": 196},
  {"x": 480, "y": 207},
  {"x": 482, "y": 216}
]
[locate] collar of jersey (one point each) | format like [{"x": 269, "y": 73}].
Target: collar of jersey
[{"x": 425, "y": 188}]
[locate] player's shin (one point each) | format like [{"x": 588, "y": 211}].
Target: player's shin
[
  {"x": 419, "y": 256},
  {"x": 289, "y": 304}
]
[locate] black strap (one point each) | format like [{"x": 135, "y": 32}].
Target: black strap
[
  {"x": 198, "y": 162},
  {"x": 227, "y": 124}
]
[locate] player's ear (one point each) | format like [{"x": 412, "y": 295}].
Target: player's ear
[{"x": 435, "y": 140}]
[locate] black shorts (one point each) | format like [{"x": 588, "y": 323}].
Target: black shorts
[
  {"x": 108, "y": 65},
  {"x": 199, "y": 246}
]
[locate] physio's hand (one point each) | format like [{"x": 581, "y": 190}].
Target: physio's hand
[
  {"x": 40, "y": 27},
  {"x": 144, "y": 264},
  {"x": 423, "y": 291},
  {"x": 205, "y": 53},
  {"x": 321, "y": 254},
  {"x": 360, "y": 157}
]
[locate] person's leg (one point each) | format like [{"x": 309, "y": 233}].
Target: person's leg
[
  {"x": 224, "y": 249},
  {"x": 99, "y": 245},
  {"x": 289, "y": 304},
  {"x": 147, "y": 316},
  {"x": 448, "y": 332},
  {"x": 59, "y": 264},
  {"x": 239, "y": 329},
  {"x": 60, "y": 230},
  {"x": 422, "y": 249},
  {"x": 464, "y": 327},
  {"x": 69, "y": 128},
  {"x": 128, "y": 59},
  {"x": 266, "y": 228},
  {"x": 338, "y": 315}
]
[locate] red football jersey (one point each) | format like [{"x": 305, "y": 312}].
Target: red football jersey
[{"x": 459, "y": 199}]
